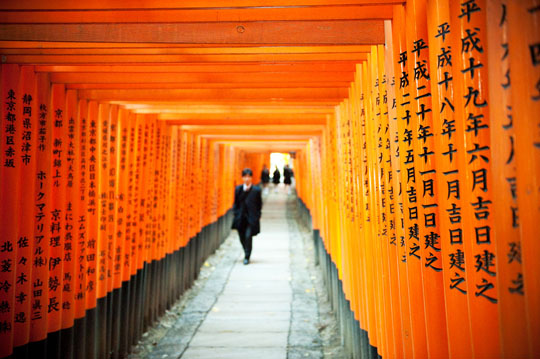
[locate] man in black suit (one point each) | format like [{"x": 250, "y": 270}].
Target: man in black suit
[{"x": 247, "y": 211}]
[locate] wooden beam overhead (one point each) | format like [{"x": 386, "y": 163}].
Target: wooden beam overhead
[
  {"x": 261, "y": 105},
  {"x": 233, "y": 119},
  {"x": 259, "y": 74},
  {"x": 263, "y": 146},
  {"x": 200, "y": 77},
  {"x": 254, "y": 136},
  {"x": 242, "y": 67},
  {"x": 170, "y": 59},
  {"x": 174, "y": 4},
  {"x": 246, "y": 142},
  {"x": 259, "y": 109},
  {"x": 235, "y": 122},
  {"x": 12, "y": 44},
  {"x": 352, "y": 32},
  {"x": 265, "y": 129},
  {"x": 184, "y": 50},
  {"x": 201, "y": 85},
  {"x": 217, "y": 95},
  {"x": 267, "y": 147},
  {"x": 262, "y": 132},
  {"x": 267, "y": 116},
  {"x": 340, "y": 12}
]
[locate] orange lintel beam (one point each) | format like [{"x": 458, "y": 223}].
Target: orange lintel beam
[
  {"x": 273, "y": 148},
  {"x": 127, "y": 59},
  {"x": 198, "y": 118},
  {"x": 270, "y": 147},
  {"x": 261, "y": 144},
  {"x": 257, "y": 130},
  {"x": 354, "y": 12},
  {"x": 82, "y": 45},
  {"x": 14, "y": 44},
  {"x": 254, "y": 141},
  {"x": 210, "y": 109},
  {"x": 254, "y": 136},
  {"x": 204, "y": 77},
  {"x": 200, "y": 85},
  {"x": 174, "y": 4},
  {"x": 97, "y": 49},
  {"x": 253, "y": 106},
  {"x": 235, "y": 121},
  {"x": 217, "y": 94},
  {"x": 214, "y": 67},
  {"x": 262, "y": 128},
  {"x": 238, "y": 143},
  {"x": 268, "y": 32},
  {"x": 264, "y": 145}
]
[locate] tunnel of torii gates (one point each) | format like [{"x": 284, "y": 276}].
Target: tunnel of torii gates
[{"x": 416, "y": 132}]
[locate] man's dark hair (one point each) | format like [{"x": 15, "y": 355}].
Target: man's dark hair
[{"x": 247, "y": 172}]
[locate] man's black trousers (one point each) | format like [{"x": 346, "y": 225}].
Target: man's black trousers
[{"x": 244, "y": 231}]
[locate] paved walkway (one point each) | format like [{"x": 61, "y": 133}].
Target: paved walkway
[
  {"x": 267, "y": 309},
  {"x": 252, "y": 315}
]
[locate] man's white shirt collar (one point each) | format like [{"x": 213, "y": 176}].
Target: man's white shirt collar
[{"x": 246, "y": 187}]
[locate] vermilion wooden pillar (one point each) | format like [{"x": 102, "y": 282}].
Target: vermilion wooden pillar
[
  {"x": 11, "y": 141},
  {"x": 470, "y": 69},
  {"x": 523, "y": 39}
]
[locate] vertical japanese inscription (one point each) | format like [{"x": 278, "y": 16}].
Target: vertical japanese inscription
[
  {"x": 58, "y": 211},
  {"x": 27, "y": 111},
  {"x": 470, "y": 72},
  {"x": 473, "y": 69},
  {"x": 92, "y": 223},
  {"x": 43, "y": 205},
  {"x": 82, "y": 215},
  {"x": 9, "y": 173}
]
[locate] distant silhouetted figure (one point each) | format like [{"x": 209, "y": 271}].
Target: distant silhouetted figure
[
  {"x": 247, "y": 212},
  {"x": 287, "y": 175},
  {"x": 265, "y": 178},
  {"x": 276, "y": 177}
]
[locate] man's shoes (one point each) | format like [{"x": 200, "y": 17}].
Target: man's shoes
[{"x": 246, "y": 261}]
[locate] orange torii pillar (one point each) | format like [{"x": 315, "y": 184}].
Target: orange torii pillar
[
  {"x": 459, "y": 135},
  {"x": 97, "y": 204}
]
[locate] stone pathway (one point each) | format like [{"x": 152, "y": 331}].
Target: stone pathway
[
  {"x": 267, "y": 309},
  {"x": 251, "y": 316}
]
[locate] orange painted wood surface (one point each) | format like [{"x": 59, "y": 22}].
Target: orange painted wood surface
[
  {"x": 166, "y": 4},
  {"x": 357, "y": 32},
  {"x": 512, "y": 312},
  {"x": 43, "y": 203},
  {"x": 72, "y": 208},
  {"x": 313, "y": 66},
  {"x": 448, "y": 166},
  {"x": 82, "y": 188},
  {"x": 413, "y": 151},
  {"x": 523, "y": 37},
  {"x": 337, "y": 12},
  {"x": 472, "y": 110},
  {"x": 26, "y": 161},
  {"x": 10, "y": 146}
]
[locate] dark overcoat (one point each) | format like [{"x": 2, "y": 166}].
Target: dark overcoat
[
  {"x": 276, "y": 177},
  {"x": 287, "y": 174},
  {"x": 253, "y": 206},
  {"x": 265, "y": 176}
]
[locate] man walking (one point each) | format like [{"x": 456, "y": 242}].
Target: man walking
[{"x": 247, "y": 211}]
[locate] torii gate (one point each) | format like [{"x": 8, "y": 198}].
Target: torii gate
[{"x": 416, "y": 127}]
